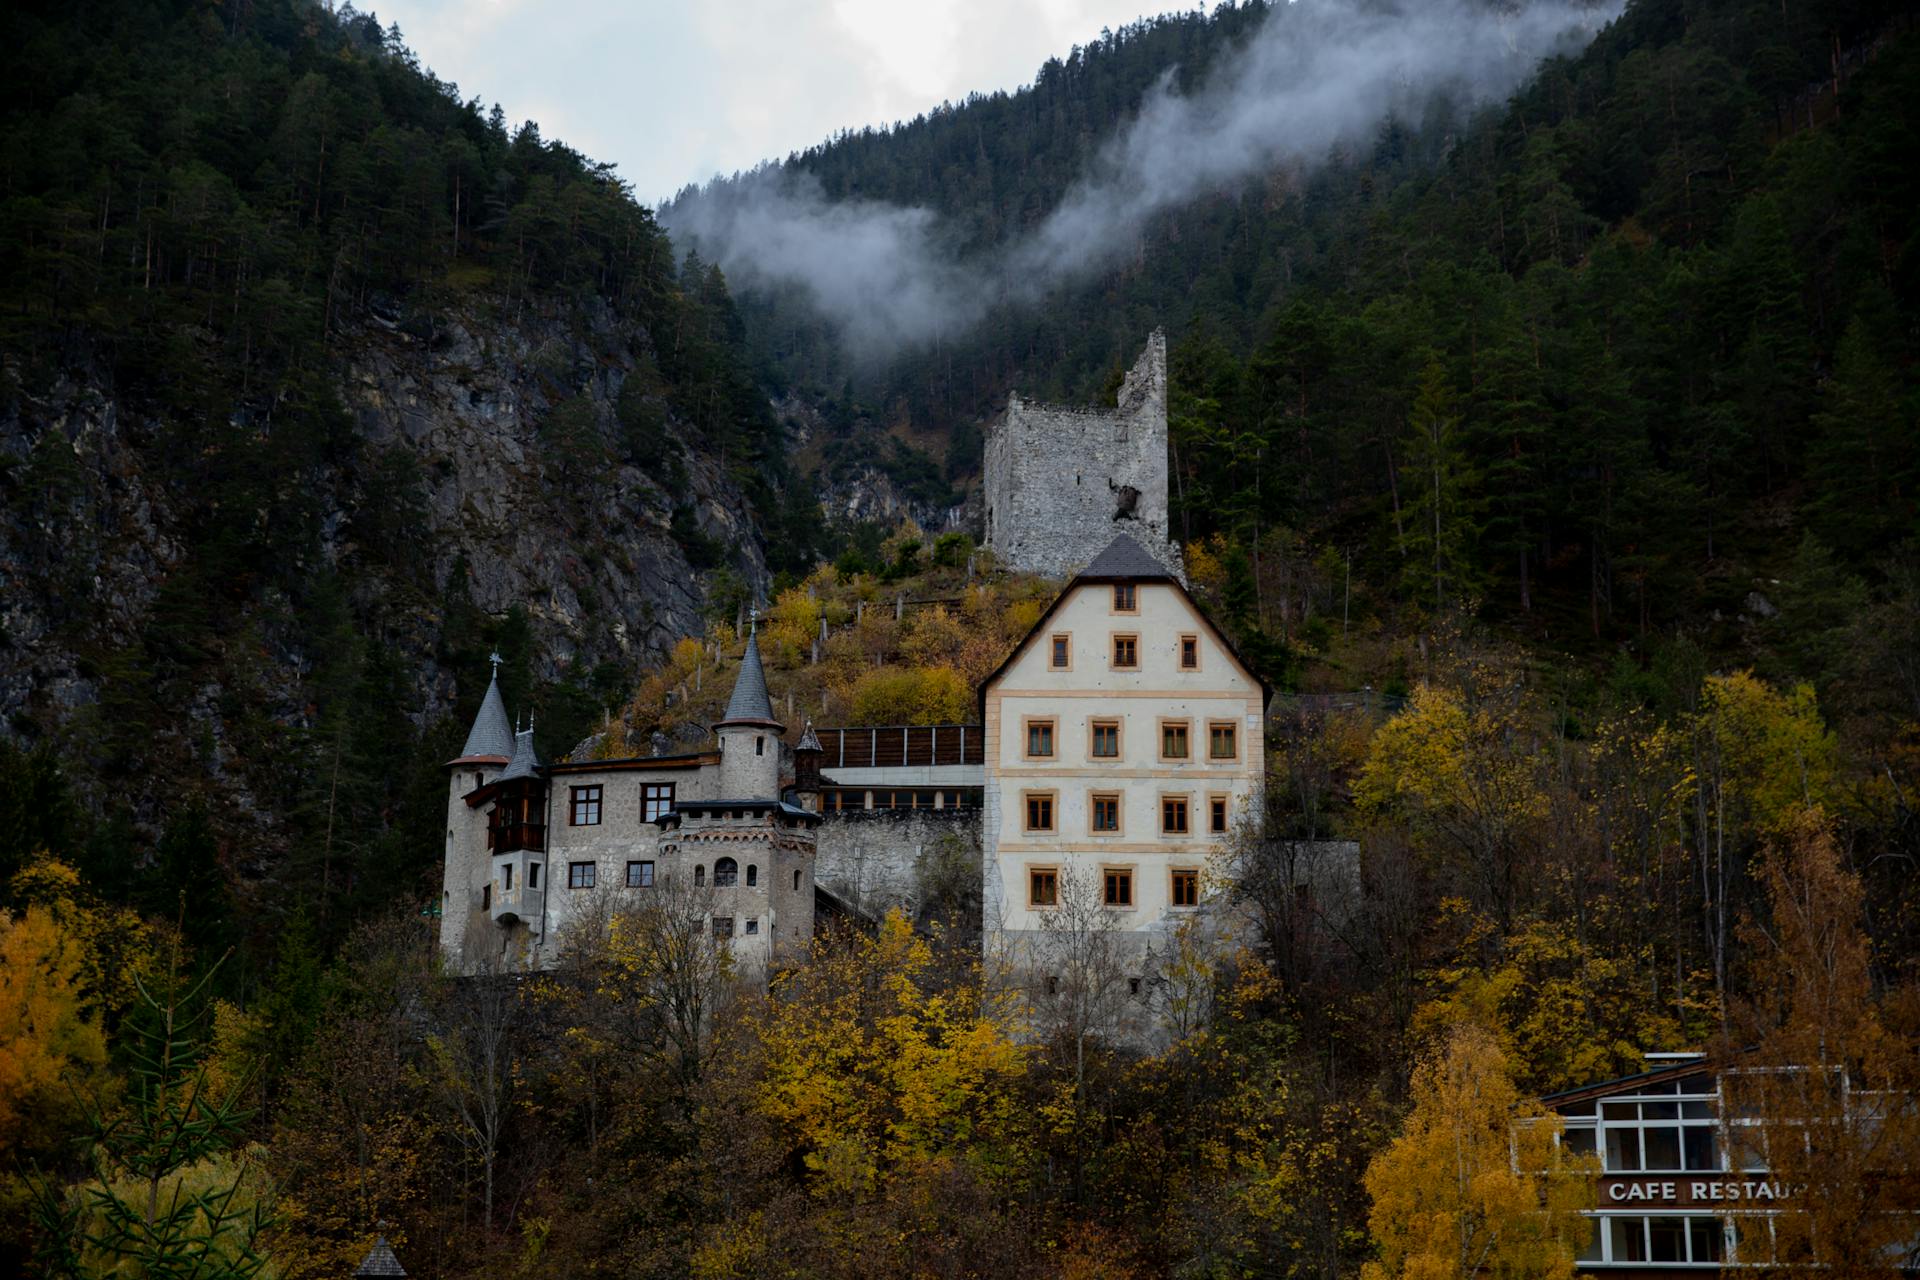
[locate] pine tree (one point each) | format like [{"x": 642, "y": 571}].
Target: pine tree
[{"x": 1439, "y": 488}]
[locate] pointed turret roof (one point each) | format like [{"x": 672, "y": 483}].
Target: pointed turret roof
[
  {"x": 750, "y": 703},
  {"x": 809, "y": 741},
  {"x": 380, "y": 1261},
  {"x": 492, "y": 733},
  {"x": 524, "y": 762}
]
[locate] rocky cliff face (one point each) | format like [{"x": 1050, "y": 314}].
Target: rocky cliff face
[{"x": 484, "y": 440}]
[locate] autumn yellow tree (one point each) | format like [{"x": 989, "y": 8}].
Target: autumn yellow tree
[
  {"x": 1463, "y": 778},
  {"x": 1836, "y": 1072},
  {"x": 1476, "y": 1185}
]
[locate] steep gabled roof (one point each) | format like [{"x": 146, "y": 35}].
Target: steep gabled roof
[
  {"x": 750, "y": 703},
  {"x": 1124, "y": 560},
  {"x": 810, "y": 741},
  {"x": 492, "y": 733}
]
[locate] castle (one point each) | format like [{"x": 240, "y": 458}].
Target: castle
[{"x": 1116, "y": 748}]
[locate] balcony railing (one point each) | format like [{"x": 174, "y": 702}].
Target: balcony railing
[
  {"x": 899, "y": 745},
  {"x": 505, "y": 837}
]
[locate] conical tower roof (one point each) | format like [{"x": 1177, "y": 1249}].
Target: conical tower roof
[
  {"x": 750, "y": 703},
  {"x": 492, "y": 732},
  {"x": 380, "y": 1261},
  {"x": 524, "y": 762}
]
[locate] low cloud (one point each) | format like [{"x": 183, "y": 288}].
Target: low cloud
[{"x": 1318, "y": 76}]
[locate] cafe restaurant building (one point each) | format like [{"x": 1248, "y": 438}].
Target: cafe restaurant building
[{"x": 1682, "y": 1184}]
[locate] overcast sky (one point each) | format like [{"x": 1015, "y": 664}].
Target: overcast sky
[{"x": 674, "y": 91}]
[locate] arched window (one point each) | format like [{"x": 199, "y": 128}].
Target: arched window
[
  {"x": 753, "y": 875},
  {"x": 699, "y": 876},
  {"x": 725, "y": 873}
]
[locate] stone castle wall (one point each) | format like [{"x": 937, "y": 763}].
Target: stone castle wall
[{"x": 1061, "y": 482}]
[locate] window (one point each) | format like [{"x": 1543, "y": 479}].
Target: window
[
  {"x": 1223, "y": 740},
  {"x": 753, "y": 878},
  {"x": 1186, "y": 887},
  {"x": 1040, "y": 811},
  {"x": 1126, "y": 653},
  {"x": 759, "y": 744},
  {"x": 1133, "y": 986},
  {"x": 1676, "y": 1238},
  {"x": 639, "y": 875},
  {"x": 533, "y": 875},
  {"x": 1670, "y": 1135},
  {"x": 1043, "y": 887},
  {"x": 586, "y": 806},
  {"x": 656, "y": 798},
  {"x": 1189, "y": 653},
  {"x": 753, "y": 927},
  {"x": 1173, "y": 815},
  {"x": 1173, "y": 740},
  {"x": 796, "y": 881},
  {"x": 1039, "y": 739},
  {"x": 1217, "y": 815},
  {"x": 1119, "y": 887},
  {"x": 1060, "y": 655},
  {"x": 726, "y": 873},
  {"x": 1125, "y": 598},
  {"x": 506, "y": 878},
  {"x": 1053, "y": 985},
  {"x": 1106, "y": 740},
  {"x": 486, "y": 896},
  {"x": 723, "y": 926},
  {"x": 699, "y": 877},
  {"x": 1106, "y": 812},
  {"x": 580, "y": 875}
]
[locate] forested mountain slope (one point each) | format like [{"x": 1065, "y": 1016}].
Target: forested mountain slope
[
  {"x": 1631, "y": 335},
  {"x": 318, "y": 383}
]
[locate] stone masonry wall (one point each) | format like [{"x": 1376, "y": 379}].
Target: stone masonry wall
[
  {"x": 1061, "y": 482},
  {"x": 876, "y": 859}
]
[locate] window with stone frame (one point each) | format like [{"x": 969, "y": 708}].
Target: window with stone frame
[
  {"x": 1185, "y": 886},
  {"x": 1105, "y": 812},
  {"x": 580, "y": 875},
  {"x": 1217, "y": 815},
  {"x": 639, "y": 875},
  {"x": 1223, "y": 740},
  {"x": 726, "y": 873},
  {"x": 1126, "y": 652},
  {"x": 1060, "y": 651},
  {"x": 1039, "y": 810},
  {"x": 1040, "y": 739},
  {"x": 586, "y": 806},
  {"x": 1043, "y": 887},
  {"x": 723, "y": 927},
  {"x": 1126, "y": 599},
  {"x": 1117, "y": 887},
  {"x": 1174, "y": 739},
  {"x": 1190, "y": 653},
  {"x": 1105, "y": 744},
  {"x": 1173, "y": 815},
  {"x": 753, "y": 927},
  {"x": 656, "y": 800}
]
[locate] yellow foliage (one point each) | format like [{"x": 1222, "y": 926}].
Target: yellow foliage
[
  {"x": 49, "y": 1043},
  {"x": 1563, "y": 1012},
  {"x": 1777, "y": 755},
  {"x": 871, "y": 1067},
  {"x": 905, "y": 695},
  {"x": 1206, "y": 564},
  {"x": 1476, "y": 1185},
  {"x": 114, "y": 944}
]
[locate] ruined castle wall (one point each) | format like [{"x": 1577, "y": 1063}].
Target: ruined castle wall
[{"x": 1060, "y": 482}]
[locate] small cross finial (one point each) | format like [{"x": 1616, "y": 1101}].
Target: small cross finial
[{"x": 494, "y": 658}]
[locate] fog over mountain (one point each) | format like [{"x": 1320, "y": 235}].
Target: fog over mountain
[{"x": 1319, "y": 75}]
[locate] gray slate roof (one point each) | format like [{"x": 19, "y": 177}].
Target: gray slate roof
[
  {"x": 1125, "y": 558},
  {"x": 380, "y": 1261},
  {"x": 750, "y": 702},
  {"x": 491, "y": 734},
  {"x": 524, "y": 761},
  {"x": 809, "y": 741}
]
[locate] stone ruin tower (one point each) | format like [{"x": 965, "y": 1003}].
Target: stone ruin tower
[{"x": 1061, "y": 482}]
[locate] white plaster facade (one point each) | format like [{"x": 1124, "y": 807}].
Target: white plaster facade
[{"x": 1210, "y": 691}]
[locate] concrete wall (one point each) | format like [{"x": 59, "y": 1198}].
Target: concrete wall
[
  {"x": 873, "y": 860},
  {"x": 1061, "y": 482}
]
